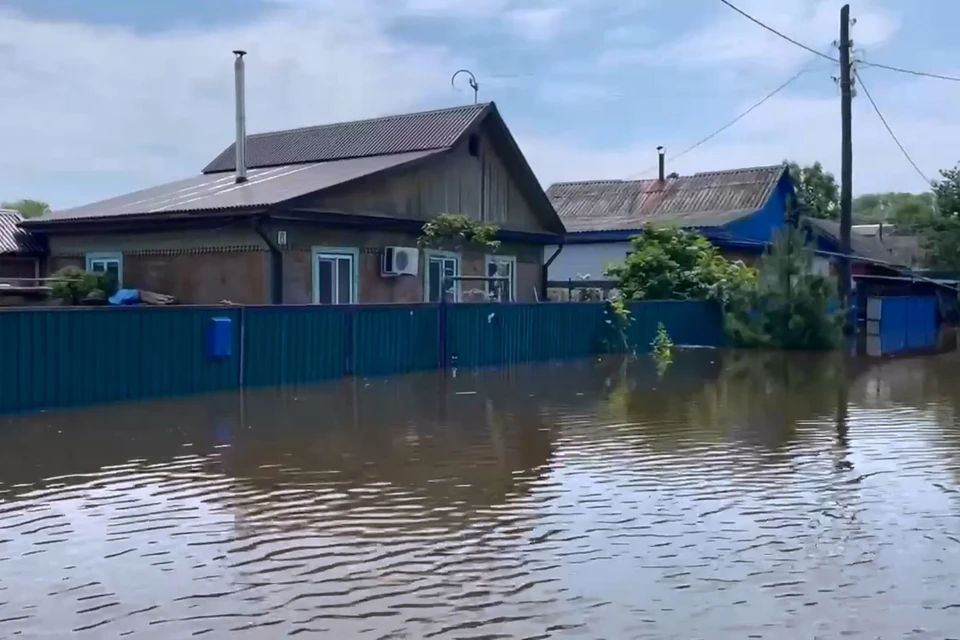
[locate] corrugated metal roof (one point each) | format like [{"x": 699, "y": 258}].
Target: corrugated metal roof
[
  {"x": 707, "y": 199},
  {"x": 870, "y": 247},
  {"x": 13, "y": 239},
  {"x": 422, "y": 131},
  {"x": 219, "y": 191}
]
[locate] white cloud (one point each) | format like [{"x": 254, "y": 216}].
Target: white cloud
[
  {"x": 792, "y": 127},
  {"x": 109, "y": 105},
  {"x": 538, "y": 24},
  {"x": 157, "y": 107},
  {"x": 732, "y": 38}
]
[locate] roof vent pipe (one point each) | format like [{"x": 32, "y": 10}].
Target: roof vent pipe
[
  {"x": 241, "y": 144},
  {"x": 662, "y": 161}
]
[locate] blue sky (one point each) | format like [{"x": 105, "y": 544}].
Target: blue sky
[{"x": 106, "y": 97}]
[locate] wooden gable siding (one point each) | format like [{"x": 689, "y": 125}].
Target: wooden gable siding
[{"x": 450, "y": 183}]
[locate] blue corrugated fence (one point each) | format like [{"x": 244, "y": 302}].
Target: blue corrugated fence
[{"x": 69, "y": 357}]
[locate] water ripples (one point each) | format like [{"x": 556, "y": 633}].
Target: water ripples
[{"x": 564, "y": 501}]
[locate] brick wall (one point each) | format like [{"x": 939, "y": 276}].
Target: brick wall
[
  {"x": 234, "y": 265},
  {"x": 372, "y": 287},
  {"x": 14, "y": 267}
]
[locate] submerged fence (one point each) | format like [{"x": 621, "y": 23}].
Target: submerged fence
[{"x": 74, "y": 356}]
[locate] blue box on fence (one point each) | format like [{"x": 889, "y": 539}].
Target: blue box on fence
[{"x": 220, "y": 343}]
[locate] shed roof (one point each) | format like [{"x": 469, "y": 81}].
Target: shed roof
[
  {"x": 708, "y": 199},
  {"x": 422, "y": 131},
  {"x": 865, "y": 246},
  {"x": 212, "y": 192},
  {"x": 13, "y": 239}
]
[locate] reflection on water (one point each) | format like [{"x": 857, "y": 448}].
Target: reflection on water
[{"x": 738, "y": 496}]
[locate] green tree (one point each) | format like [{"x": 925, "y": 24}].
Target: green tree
[
  {"x": 903, "y": 209},
  {"x": 673, "y": 264},
  {"x": 28, "y": 208},
  {"x": 791, "y": 306},
  {"x": 940, "y": 233},
  {"x": 817, "y": 192}
]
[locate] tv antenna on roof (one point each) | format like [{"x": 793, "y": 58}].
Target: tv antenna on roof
[{"x": 472, "y": 81}]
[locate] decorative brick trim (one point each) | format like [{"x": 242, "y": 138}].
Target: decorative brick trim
[
  {"x": 197, "y": 251},
  {"x": 243, "y": 248}
]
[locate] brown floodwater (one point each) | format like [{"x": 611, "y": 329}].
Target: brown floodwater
[{"x": 737, "y": 496}]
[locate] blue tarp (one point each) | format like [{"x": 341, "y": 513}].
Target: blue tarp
[{"x": 126, "y": 296}]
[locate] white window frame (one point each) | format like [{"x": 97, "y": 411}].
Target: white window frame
[
  {"x": 448, "y": 255},
  {"x": 352, "y": 253},
  {"x": 513, "y": 274},
  {"x": 107, "y": 256}
]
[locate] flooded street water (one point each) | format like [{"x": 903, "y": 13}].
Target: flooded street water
[{"x": 760, "y": 496}]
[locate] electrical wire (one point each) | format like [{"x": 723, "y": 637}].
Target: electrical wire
[
  {"x": 740, "y": 117},
  {"x": 922, "y": 74},
  {"x": 886, "y": 125},
  {"x": 876, "y": 65},
  {"x": 778, "y": 33}
]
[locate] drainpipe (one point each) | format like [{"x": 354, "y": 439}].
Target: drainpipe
[
  {"x": 544, "y": 273},
  {"x": 276, "y": 262}
]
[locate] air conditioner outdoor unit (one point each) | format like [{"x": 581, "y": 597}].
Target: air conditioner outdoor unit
[{"x": 399, "y": 261}]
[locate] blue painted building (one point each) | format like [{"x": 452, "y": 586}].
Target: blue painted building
[{"x": 739, "y": 210}]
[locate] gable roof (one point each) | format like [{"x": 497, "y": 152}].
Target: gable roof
[
  {"x": 708, "y": 199},
  {"x": 403, "y": 133},
  {"x": 264, "y": 187},
  {"x": 285, "y": 165},
  {"x": 13, "y": 239}
]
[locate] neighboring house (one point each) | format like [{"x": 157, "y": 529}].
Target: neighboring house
[
  {"x": 21, "y": 253},
  {"x": 880, "y": 267},
  {"x": 877, "y": 258},
  {"x": 309, "y": 215},
  {"x": 739, "y": 210}
]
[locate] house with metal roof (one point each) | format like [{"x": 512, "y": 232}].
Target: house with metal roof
[
  {"x": 739, "y": 210},
  {"x": 324, "y": 214}
]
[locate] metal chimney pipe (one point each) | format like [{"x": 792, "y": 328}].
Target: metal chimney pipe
[
  {"x": 241, "y": 144},
  {"x": 661, "y": 152}
]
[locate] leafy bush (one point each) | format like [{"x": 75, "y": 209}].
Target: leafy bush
[
  {"x": 789, "y": 306},
  {"x": 74, "y": 285},
  {"x": 675, "y": 264},
  {"x": 456, "y": 231}
]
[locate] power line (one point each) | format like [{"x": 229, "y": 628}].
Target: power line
[
  {"x": 886, "y": 125},
  {"x": 797, "y": 43},
  {"x": 922, "y": 74},
  {"x": 778, "y": 33},
  {"x": 740, "y": 117}
]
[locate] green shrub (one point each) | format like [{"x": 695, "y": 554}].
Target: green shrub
[{"x": 73, "y": 285}]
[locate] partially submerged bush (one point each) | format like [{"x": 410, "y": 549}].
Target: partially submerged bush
[{"x": 789, "y": 306}]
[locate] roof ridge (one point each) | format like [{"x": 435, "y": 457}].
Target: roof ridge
[
  {"x": 693, "y": 175},
  {"x": 763, "y": 167},
  {"x": 479, "y": 107}
]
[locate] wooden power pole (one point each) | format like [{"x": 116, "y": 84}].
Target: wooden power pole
[{"x": 846, "y": 154}]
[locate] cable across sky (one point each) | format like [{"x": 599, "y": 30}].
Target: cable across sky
[
  {"x": 923, "y": 74},
  {"x": 741, "y": 116}
]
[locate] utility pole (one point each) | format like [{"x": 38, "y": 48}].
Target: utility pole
[{"x": 846, "y": 153}]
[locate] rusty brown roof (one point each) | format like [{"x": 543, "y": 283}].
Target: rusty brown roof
[
  {"x": 707, "y": 199},
  {"x": 422, "y": 131},
  {"x": 263, "y": 187},
  {"x": 13, "y": 239}
]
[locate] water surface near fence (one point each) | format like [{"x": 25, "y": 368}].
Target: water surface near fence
[{"x": 738, "y": 495}]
